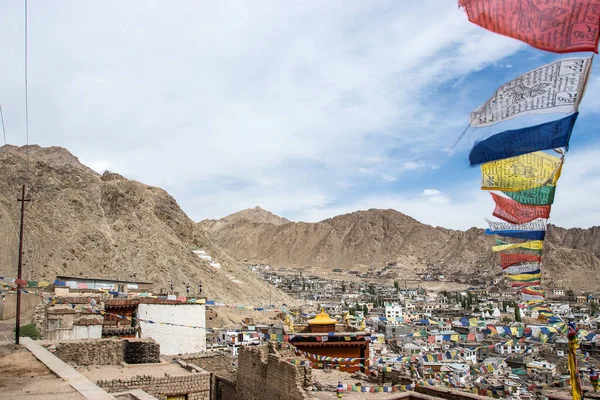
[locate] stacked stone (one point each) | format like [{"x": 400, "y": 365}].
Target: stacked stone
[
  {"x": 91, "y": 352},
  {"x": 195, "y": 386},
  {"x": 141, "y": 351}
]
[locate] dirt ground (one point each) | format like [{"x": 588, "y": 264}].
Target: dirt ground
[
  {"x": 333, "y": 376},
  {"x": 22, "y": 376},
  {"x": 7, "y": 327},
  {"x": 233, "y": 317}
]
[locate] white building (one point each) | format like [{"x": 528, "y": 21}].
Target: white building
[
  {"x": 392, "y": 311},
  {"x": 558, "y": 292},
  {"x": 508, "y": 349},
  {"x": 168, "y": 329}
]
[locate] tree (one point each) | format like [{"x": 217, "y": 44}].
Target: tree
[
  {"x": 570, "y": 293},
  {"x": 396, "y": 285},
  {"x": 365, "y": 310},
  {"x": 594, "y": 308},
  {"x": 30, "y": 331},
  {"x": 517, "y": 314},
  {"x": 504, "y": 306},
  {"x": 343, "y": 287}
]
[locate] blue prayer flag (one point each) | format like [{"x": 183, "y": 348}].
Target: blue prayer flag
[{"x": 512, "y": 143}]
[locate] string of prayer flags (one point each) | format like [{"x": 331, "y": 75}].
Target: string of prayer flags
[
  {"x": 516, "y": 213},
  {"x": 532, "y": 245},
  {"x": 559, "y": 26},
  {"x": 529, "y": 294},
  {"x": 522, "y": 172}
]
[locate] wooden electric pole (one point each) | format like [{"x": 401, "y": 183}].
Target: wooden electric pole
[{"x": 20, "y": 267}]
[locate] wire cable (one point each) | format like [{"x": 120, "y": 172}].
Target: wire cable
[
  {"x": 3, "y": 129},
  {"x": 26, "y": 101}
]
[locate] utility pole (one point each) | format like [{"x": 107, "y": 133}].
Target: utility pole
[{"x": 20, "y": 267}]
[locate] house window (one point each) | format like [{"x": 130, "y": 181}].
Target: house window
[{"x": 177, "y": 397}]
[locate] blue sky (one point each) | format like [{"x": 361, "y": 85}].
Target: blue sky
[{"x": 309, "y": 109}]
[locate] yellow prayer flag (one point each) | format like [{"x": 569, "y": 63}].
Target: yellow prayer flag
[
  {"x": 454, "y": 338},
  {"x": 520, "y": 173},
  {"x": 532, "y": 245}
]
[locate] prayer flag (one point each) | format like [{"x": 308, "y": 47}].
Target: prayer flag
[
  {"x": 516, "y": 213},
  {"x": 557, "y": 87},
  {"x": 526, "y": 235},
  {"x": 559, "y": 26},
  {"x": 506, "y": 260},
  {"x": 526, "y": 277},
  {"x": 537, "y": 225},
  {"x": 515, "y": 142},
  {"x": 522, "y": 269},
  {"x": 522, "y": 172},
  {"x": 533, "y": 245},
  {"x": 539, "y": 196}
]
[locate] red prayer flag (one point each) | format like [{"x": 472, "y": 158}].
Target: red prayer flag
[
  {"x": 506, "y": 260},
  {"x": 21, "y": 282},
  {"x": 525, "y": 284},
  {"x": 516, "y": 213},
  {"x": 560, "y": 26}
]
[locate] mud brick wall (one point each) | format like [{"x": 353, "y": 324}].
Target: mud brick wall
[
  {"x": 263, "y": 374},
  {"x": 108, "y": 351},
  {"x": 8, "y": 307},
  {"x": 196, "y": 385}
]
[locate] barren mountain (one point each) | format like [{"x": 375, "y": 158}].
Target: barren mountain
[
  {"x": 254, "y": 215},
  {"x": 376, "y": 237},
  {"x": 80, "y": 223}
]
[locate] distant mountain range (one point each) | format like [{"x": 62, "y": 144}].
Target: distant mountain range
[
  {"x": 80, "y": 223},
  {"x": 377, "y": 237}
]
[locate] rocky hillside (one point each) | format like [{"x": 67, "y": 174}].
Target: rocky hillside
[
  {"x": 376, "y": 237},
  {"x": 80, "y": 223}
]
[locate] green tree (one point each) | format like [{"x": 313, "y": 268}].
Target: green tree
[
  {"x": 343, "y": 287},
  {"x": 517, "y": 314},
  {"x": 396, "y": 285},
  {"x": 30, "y": 331},
  {"x": 365, "y": 310},
  {"x": 594, "y": 308},
  {"x": 503, "y": 306}
]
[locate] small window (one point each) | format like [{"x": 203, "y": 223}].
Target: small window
[{"x": 178, "y": 397}]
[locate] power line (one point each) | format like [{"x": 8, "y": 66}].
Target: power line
[
  {"x": 3, "y": 129},
  {"x": 26, "y": 100}
]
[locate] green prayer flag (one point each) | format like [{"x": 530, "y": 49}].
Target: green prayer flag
[{"x": 539, "y": 196}]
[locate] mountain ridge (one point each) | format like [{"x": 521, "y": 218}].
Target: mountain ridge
[
  {"x": 374, "y": 237},
  {"x": 81, "y": 223}
]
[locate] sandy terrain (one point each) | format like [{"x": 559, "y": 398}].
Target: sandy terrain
[{"x": 22, "y": 376}]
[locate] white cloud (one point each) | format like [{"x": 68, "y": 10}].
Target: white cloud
[
  {"x": 431, "y": 192},
  {"x": 228, "y": 105}
]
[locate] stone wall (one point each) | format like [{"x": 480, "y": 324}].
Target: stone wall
[
  {"x": 196, "y": 385},
  {"x": 108, "y": 351},
  {"x": 263, "y": 374},
  {"x": 8, "y": 307}
]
